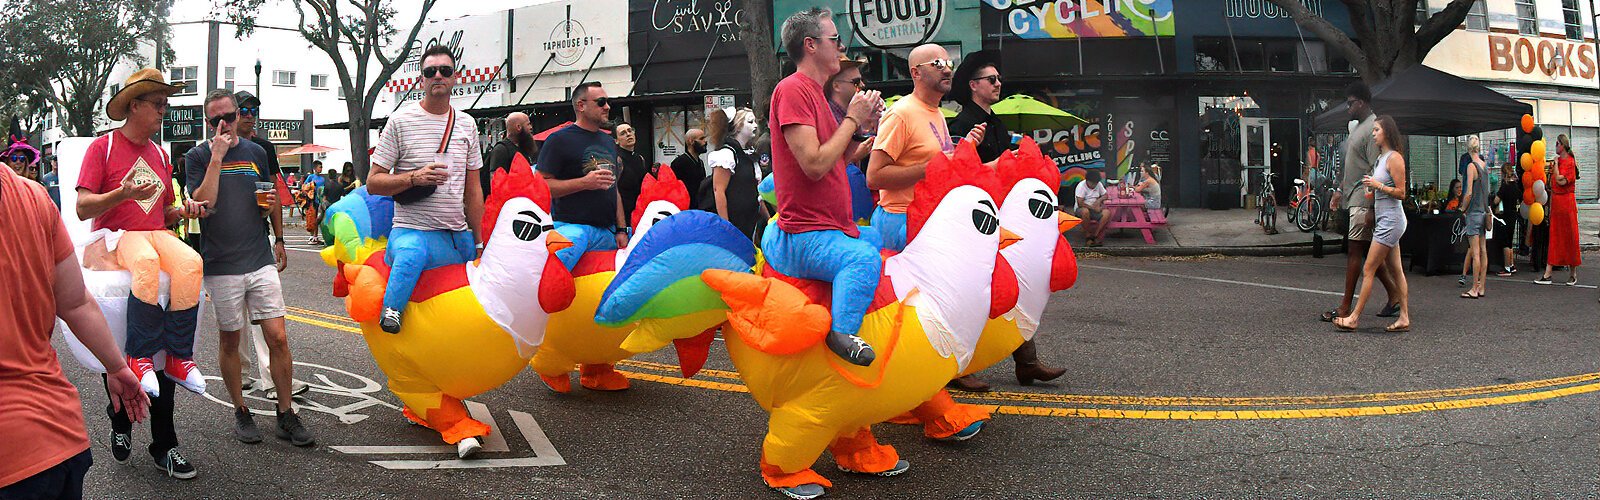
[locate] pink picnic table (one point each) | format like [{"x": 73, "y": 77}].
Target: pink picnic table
[{"x": 1126, "y": 212}]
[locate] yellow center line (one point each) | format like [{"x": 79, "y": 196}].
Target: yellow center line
[{"x": 1260, "y": 407}]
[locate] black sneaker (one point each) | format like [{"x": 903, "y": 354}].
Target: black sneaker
[
  {"x": 121, "y": 446},
  {"x": 244, "y": 427},
  {"x": 850, "y": 347},
  {"x": 290, "y": 429},
  {"x": 390, "y": 320},
  {"x": 175, "y": 465}
]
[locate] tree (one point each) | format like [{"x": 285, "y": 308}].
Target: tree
[
  {"x": 61, "y": 53},
  {"x": 360, "y": 43},
  {"x": 1390, "y": 42},
  {"x": 756, "y": 35}
]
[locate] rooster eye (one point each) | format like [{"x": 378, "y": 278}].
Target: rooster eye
[
  {"x": 1041, "y": 208},
  {"x": 985, "y": 222},
  {"x": 527, "y": 226}
]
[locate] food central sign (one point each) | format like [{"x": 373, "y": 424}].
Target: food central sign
[{"x": 891, "y": 23}]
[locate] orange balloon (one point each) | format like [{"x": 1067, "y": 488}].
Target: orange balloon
[
  {"x": 1527, "y": 124},
  {"x": 1537, "y": 150},
  {"x": 1536, "y": 214},
  {"x": 1527, "y": 193},
  {"x": 1526, "y": 161}
]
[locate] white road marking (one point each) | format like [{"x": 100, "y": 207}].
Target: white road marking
[
  {"x": 544, "y": 451},
  {"x": 1215, "y": 280}
]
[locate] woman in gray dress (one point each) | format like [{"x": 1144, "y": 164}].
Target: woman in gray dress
[{"x": 1388, "y": 183}]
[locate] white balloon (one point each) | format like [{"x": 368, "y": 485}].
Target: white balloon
[
  {"x": 1540, "y": 194},
  {"x": 1524, "y": 210}
]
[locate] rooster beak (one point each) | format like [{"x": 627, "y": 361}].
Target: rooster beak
[
  {"x": 1008, "y": 238},
  {"x": 1067, "y": 221},
  {"x": 556, "y": 242}
]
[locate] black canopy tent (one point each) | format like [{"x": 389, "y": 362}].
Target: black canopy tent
[{"x": 1426, "y": 101}]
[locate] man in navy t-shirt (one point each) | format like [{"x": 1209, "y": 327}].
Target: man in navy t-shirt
[{"x": 580, "y": 164}]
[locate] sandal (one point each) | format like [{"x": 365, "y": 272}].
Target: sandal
[
  {"x": 1397, "y": 329},
  {"x": 1468, "y": 295},
  {"x": 1342, "y": 327},
  {"x": 1327, "y": 316}
]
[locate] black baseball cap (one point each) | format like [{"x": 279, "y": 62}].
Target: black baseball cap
[{"x": 246, "y": 99}]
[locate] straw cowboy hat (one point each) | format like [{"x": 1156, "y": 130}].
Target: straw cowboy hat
[
  {"x": 845, "y": 62},
  {"x": 144, "y": 81}
]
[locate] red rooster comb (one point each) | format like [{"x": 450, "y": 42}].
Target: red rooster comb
[
  {"x": 945, "y": 174},
  {"x": 1027, "y": 162},
  {"x": 517, "y": 182},
  {"x": 664, "y": 186}
]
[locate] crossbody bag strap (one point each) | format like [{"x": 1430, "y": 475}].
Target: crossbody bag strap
[{"x": 449, "y": 130}]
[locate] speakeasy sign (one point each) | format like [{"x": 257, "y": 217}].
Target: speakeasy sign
[{"x": 892, "y": 23}]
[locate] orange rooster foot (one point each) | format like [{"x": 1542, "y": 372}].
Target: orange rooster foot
[
  {"x": 905, "y": 419},
  {"x": 561, "y": 384},
  {"x": 601, "y": 378}
]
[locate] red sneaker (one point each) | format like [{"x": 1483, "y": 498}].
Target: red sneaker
[
  {"x": 145, "y": 370},
  {"x": 184, "y": 372}
]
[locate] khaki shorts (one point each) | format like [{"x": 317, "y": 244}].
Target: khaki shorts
[
  {"x": 257, "y": 294},
  {"x": 1359, "y": 228}
]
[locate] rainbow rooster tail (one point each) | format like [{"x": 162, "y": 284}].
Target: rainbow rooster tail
[
  {"x": 357, "y": 226},
  {"x": 660, "y": 288}
]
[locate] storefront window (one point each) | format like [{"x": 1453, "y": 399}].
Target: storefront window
[
  {"x": 1213, "y": 54},
  {"x": 1281, "y": 55},
  {"x": 1527, "y": 18},
  {"x": 1251, "y": 56}
]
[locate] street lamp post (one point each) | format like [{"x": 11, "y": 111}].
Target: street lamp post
[{"x": 258, "y": 78}]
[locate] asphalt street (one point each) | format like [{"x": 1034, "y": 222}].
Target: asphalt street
[{"x": 1193, "y": 377}]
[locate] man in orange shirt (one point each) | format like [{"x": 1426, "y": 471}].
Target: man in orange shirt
[
  {"x": 41, "y": 419},
  {"x": 911, "y": 132}
]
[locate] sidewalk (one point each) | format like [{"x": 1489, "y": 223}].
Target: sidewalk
[{"x": 1196, "y": 231}]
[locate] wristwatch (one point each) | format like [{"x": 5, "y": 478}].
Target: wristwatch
[
  {"x": 278, "y": 239},
  {"x": 621, "y": 230}
]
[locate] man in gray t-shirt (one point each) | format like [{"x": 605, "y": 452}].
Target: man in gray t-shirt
[
  {"x": 1360, "y": 154},
  {"x": 241, "y": 269}
]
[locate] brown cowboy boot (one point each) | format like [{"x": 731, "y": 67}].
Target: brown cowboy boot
[
  {"x": 969, "y": 383},
  {"x": 1029, "y": 368}
]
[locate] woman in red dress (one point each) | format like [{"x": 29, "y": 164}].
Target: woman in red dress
[{"x": 1563, "y": 214}]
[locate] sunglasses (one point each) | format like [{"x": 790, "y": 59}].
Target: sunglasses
[
  {"x": 159, "y": 105},
  {"x": 992, "y": 79},
  {"x": 858, "y": 82},
  {"x": 250, "y": 111},
  {"x": 600, "y": 101},
  {"x": 444, "y": 71},
  {"x": 835, "y": 39},
  {"x": 940, "y": 64},
  {"x": 225, "y": 117},
  {"x": 20, "y": 159}
]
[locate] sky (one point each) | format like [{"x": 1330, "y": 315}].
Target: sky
[{"x": 281, "y": 13}]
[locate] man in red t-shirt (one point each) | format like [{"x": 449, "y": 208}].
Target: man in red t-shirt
[
  {"x": 41, "y": 424},
  {"x": 125, "y": 186},
  {"x": 817, "y": 237}
]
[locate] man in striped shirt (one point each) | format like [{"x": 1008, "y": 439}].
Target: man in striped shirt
[{"x": 427, "y": 159}]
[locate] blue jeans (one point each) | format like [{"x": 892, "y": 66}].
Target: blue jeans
[
  {"x": 412, "y": 251},
  {"x": 584, "y": 238},
  {"x": 891, "y": 227},
  {"x": 851, "y": 264}
]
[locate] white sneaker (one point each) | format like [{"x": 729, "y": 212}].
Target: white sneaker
[{"x": 468, "y": 447}]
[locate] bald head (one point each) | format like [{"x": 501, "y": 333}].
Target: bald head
[
  {"x": 516, "y": 123},
  {"x": 930, "y": 71},
  {"x": 695, "y": 140}
]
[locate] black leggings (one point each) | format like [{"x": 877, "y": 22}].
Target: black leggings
[{"x": 163, "y": 436}]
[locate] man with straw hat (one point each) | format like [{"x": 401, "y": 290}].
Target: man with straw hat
[
  {"x": 124, "y": 186},
  {"x": 841, "y": 88}
]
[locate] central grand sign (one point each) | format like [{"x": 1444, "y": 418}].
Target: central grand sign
[{"x": 1505, "y": 57}]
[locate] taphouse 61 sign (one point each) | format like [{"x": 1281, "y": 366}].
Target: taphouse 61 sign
[{"x": 893, "y": 23}]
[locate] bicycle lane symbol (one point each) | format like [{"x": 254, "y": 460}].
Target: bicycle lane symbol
[{"x": 362, "y": 394}]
